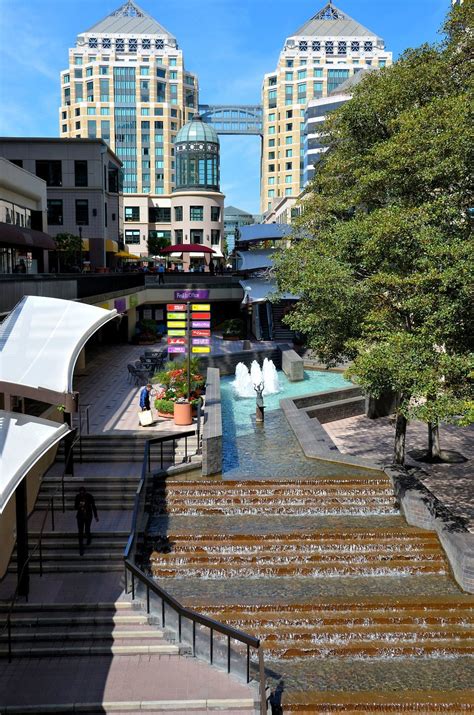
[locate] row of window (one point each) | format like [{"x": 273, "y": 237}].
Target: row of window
[
  {"x": 132, "y": 236},
  {"x": 335, "y": 48},
  {"x": 133, "y": 44},
  {"x": 158, "y": 214},
  {"x": 143, "y": 70},
  {"x": 56, "y": 212},
  {"x": 272, "y": 195}
]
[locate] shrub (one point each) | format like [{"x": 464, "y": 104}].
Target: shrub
[{"x": 164, "y": 406}]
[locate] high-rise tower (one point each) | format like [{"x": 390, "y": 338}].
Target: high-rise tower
[
  {"x": 127, "y": 84},
  {"x": 321, "y": 54}
]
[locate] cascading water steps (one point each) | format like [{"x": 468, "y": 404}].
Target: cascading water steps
[{"x": 356, "y": 610}]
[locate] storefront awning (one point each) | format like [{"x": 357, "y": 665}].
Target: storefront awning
[
  {"x": 176, "y": 255},
  {"x": 85, "y": 244},
  {"x": 11, "y": 235},
  {"x": 254, "y": 259},
  {"x": 111, "y": 246},
  {"x": 23, "y": 441},
  {"x": 40, "y": 342}
]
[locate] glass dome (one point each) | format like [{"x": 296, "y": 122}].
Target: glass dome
[
  {"x": 197, "y": 131},
  {"x": 197, "y": 157}
]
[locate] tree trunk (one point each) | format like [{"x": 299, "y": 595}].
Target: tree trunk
[
  {"x": 400, "y": 434},
  {"x": 434, "y": 451}
]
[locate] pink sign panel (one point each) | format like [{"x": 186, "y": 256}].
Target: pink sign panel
[
  {"x": 176, "y": 349},
  {"x": 201, "y": 324},
  {"x": 201, "y": 341}
]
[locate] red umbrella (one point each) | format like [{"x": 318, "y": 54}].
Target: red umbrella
[{"x": 187, "y": 248}]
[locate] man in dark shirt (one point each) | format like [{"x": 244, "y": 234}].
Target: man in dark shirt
[{"x": 85, "y": 508}]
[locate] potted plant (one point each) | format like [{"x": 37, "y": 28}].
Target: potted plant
[
  {"x": 147, "y": 332},
  {"x": 173, "y": 387},
  {"x": 232, "y": 329}
]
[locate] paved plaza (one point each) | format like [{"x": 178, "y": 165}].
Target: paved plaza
[{"x": 373, "y": 439}]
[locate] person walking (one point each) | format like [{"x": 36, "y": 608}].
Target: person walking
[
  {"x": 161, "y": 274},
  {"x": 85, "y": 507},
  {"x": 145, "y": 397}
]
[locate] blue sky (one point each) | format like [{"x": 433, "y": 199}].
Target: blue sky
[{"x": 229, "y": 43}]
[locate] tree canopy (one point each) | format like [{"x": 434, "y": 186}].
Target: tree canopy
[{"x": 386, "y": 275}]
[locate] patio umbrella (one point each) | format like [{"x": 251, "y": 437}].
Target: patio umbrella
[{"x": 125, "y": 254}]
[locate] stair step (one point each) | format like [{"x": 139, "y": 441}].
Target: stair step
[
  {"x": 41, "y": 621},
  {"x": 232, "y": 706},
  {"x": 58, "y": 651},
  {"x": 73, "y": 567}
]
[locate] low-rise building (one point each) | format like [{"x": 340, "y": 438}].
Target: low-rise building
[
  {"x": 24, "y": 243},
  {"x": 83, "y": 185}
]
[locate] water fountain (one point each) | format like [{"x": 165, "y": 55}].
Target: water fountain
[{"x": 245, "y": 379}]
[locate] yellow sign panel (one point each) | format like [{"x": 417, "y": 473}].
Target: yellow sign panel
[
  {"x": 104, "y": 305},
  {"x": 201, "y": 306},
  {"x": 201, "y": 350},
  {"x": 175, "y": 316},
  {"x": 176, "y": 333},
  {"x": 176, "y": 323}
]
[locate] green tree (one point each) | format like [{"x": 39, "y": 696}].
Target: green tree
[
  {"x": 386, "y": 276},
  {"x": 156, "y": 244},
  {"x": 69, "y": 249}
]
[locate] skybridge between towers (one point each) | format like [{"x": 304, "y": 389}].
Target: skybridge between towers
[{"x": 234, "y": 118}]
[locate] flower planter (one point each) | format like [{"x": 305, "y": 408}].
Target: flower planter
[
  {"x": 231, "y": 337},
  {"x": 183, "y": 413},
  {"x": 165, "y": 415}
]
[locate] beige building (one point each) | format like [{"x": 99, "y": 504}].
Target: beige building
[
  {"x": 321, "y": 54},
  {"x": 82, "y": 179},
  {"x": 24, "y": 243},
  {"x": 127, "y": 83}
]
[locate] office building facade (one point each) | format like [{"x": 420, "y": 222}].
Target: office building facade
[
  {"x": 127, "y": 84},
  {"x": 315, "y": 60}
]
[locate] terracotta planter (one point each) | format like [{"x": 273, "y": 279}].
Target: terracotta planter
[
  {"x": 183, "y": 413},
  {"x": 165, "y": 415}
]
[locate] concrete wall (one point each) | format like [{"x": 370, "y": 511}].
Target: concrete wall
[
  {"x": 292, "y": 364},
  {"x": 212, "y": 429}
]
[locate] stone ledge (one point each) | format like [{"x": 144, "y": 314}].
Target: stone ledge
[
  {"x": 291, "y": 364},
  {"x": 212, "y": 428}
]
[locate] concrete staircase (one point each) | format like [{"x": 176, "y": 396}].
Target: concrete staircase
[
  {"x": 356, "y": 610},
  {"x": 129, "y": 448}
]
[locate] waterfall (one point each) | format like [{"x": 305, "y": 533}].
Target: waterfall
[{"x": 245, "y": 379}]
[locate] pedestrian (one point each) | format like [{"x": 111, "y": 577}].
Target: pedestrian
[
  {"x": 212, "y": 270},
  {"x": 85, "y": 507},
  {"x": 161, "y": 274},
  {"x": 145, "y": 397}
]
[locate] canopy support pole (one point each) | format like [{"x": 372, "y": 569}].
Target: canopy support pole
[{"x": 22, "y": 564}]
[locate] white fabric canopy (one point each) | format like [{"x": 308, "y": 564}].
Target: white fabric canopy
[
  {"x": 254, "y": 260},
  {"x": 23, "y": 441},
  {"x": 41, "y": 339}
]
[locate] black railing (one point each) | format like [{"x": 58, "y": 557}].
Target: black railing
[
  {"x": 37, "y": 548},
  {"x": 173, "y": 614},
  {"x": 176, "y": 280}
]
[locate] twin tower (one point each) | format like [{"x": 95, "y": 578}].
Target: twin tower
[{"x": 127, "y": 84}]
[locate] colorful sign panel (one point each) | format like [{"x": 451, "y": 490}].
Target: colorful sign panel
[
  {"x": 201, "y": 306},
  {"x": 176, "y": 323},
  {"x": 200, "y": 333},
  {"x": 178, "y": 307},
  {"x": 175, "y": 316},
  {"x": 201, "y": 316},
  {"x": 176, "y": 341},
  {"x": 201, "y": 350},
  {"x": 200, "y": 324},
  {"x": 133, "y": 300},
  {"x": 201, "y": 341},
  {"x": 177, "y": 349},
  {"x": 120, "y": 304},
  {"x": 191, "y": 294},
  {"x": 177, "y": 333}
]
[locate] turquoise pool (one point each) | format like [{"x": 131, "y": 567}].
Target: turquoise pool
[{"x": 270, "y": 450}]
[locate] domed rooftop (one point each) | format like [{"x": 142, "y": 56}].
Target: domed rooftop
[{"x": 197, "y": 131}]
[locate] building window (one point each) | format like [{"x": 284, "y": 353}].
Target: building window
[
  {"x": 132, "y": 45},
  {"x": 119, "y": 45},
  {"x": 272, "y": 81},
  {"x": 78, "y": 59},
  {"x": 91, "y": 129},
  {"x": 271, "y": 117},
  {"x": 91, "y": 111},
  {"x": 289, "y": 63},
  {"x": 288, "y": 166},
  {"x": 55, "y": 212},
  {"x": 288, "y": 192},
  {"x": 178, "y": 213},
  {"x": 342, "y": 47},
  {"x": 335, "y": 78},
  {"x": 318, "y": 72},
  {"x": 50, "y": 171},
  {"x": 271, "y": 193},
  {"x": 80, "y": 172},
  {"x": 144, "y": 70},
  {"x": 82, "y": 212},
  {"x": 355, "y": 46},
  {"x": 289, "y": 127},
  {"x": 303, "y": 46},
  {"x": 271, "y": 155},
  {"x": 272, "y": 98},
  {"x": 92, "y": 42},
  {"x": 132, "y": 213},
  {"x": 78, "y": 73},
  {"x": 66, "y": 79},
  {"x": 105, "y": 110},
  {"x": 78, "y": 125},
  {"x": 289, "y": 140},
  {"x": 132, "y": 235},
  {"x": 271, "y": 142},
  {"x": 160, "y": 44},
  {"x": 146, "y": 44},
  {"x": 271, "y": 167},
  {"x": 159, "y": 214},
  {"x": 271, "y": 180},
  {"x": 173, "y": 62},
  {"x": 215, "y": 213},
  {"x": 196, "y": 213},
  {"x": 301, "y": 74},
  {"x": 215, "y": 237},
  {"x": 329, "y": 47},
  {"x": 316, "y": 46},
  {"x": 271, "y": 130},
  {"x": 178, "y": 235},
  {"x": 289, "y": 152},
  {"x": 382, "y": 63},
  {"x": 288, "y": 76},
  {"x": 288, "y": 179},
  {"x": 317, "y": 89},
  {"x": 368, "y": 46}
]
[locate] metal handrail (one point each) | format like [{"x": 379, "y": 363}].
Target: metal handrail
[
  {"x": 196, "y": 618},
  {"x": 37, "y": 547}
]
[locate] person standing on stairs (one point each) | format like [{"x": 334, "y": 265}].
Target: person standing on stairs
[{"x": 85, "y": 507}]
